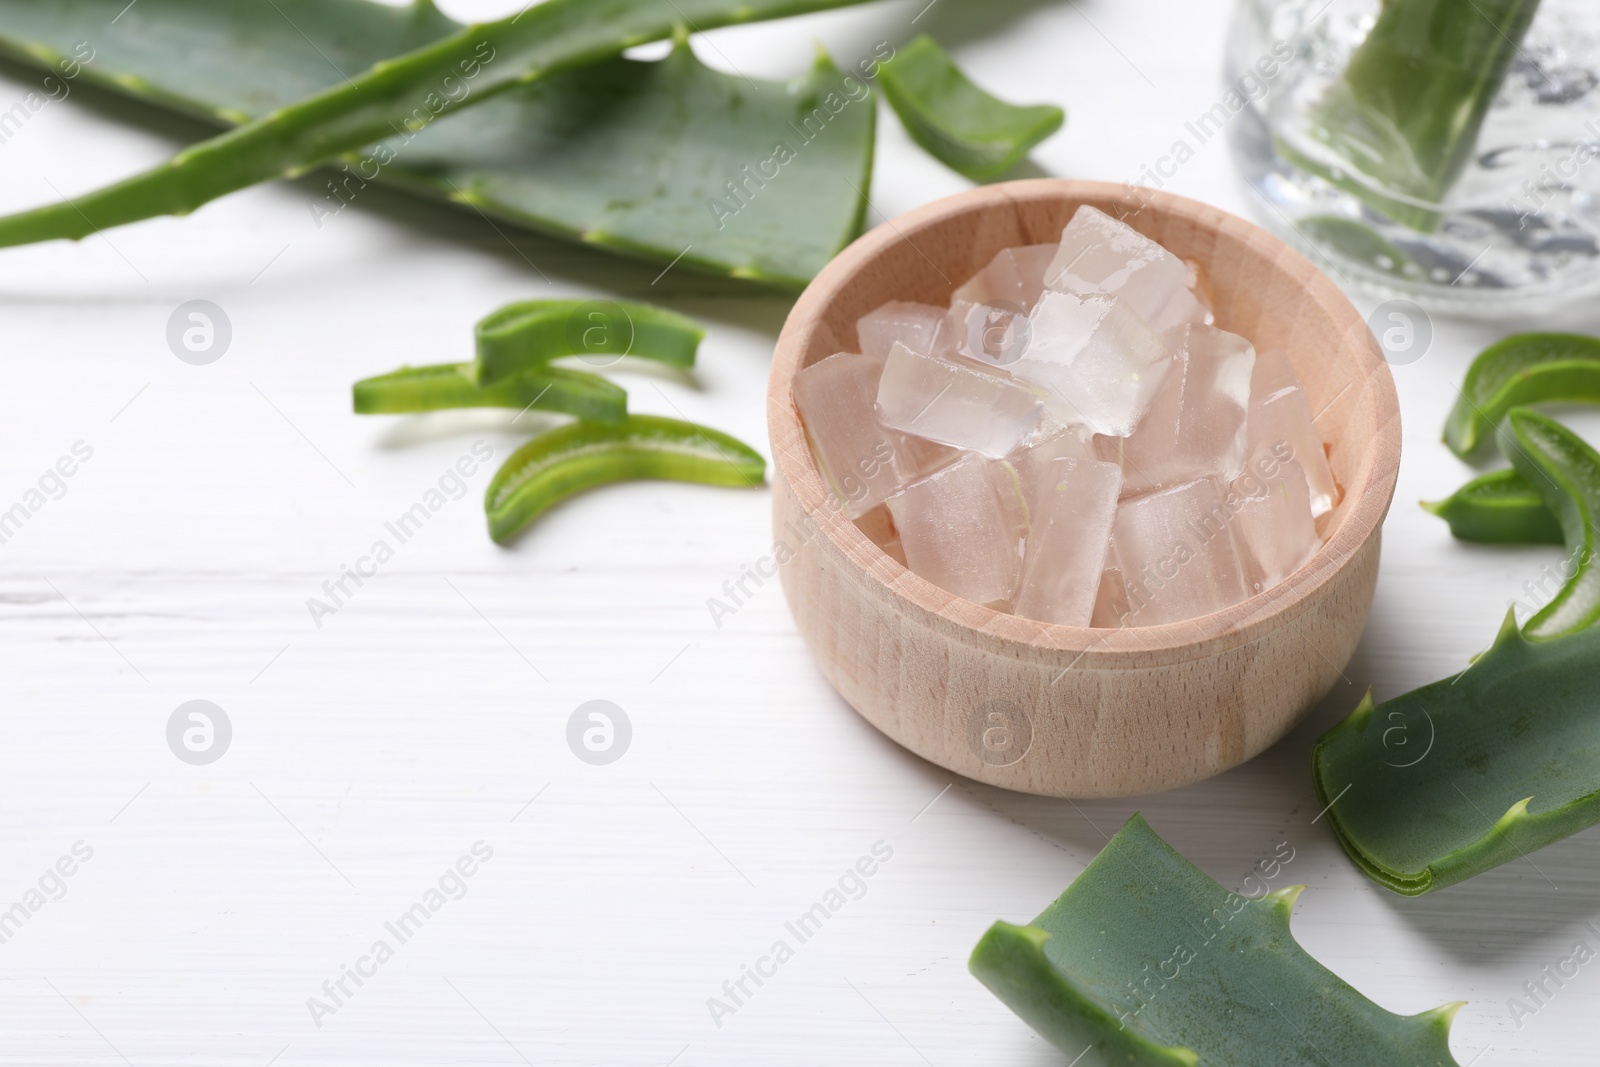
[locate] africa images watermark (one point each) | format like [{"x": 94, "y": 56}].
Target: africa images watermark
[
  {"x": 51, "y": 486},
  {"x": 747, "y": 183},
  {"x": 738, "y": 591},
  {"x": 54, "y": 89},
  {"x": 343, "y": 189},
  {"x": 451, "y": 485},
  {"x": 1552, "y": 978},
  {"x": 451, "y": 885},
  {"x": 1246, "y": 89},
  {"x": 850, "y": 886},
  {"x": 1554, "y": 180},
  {"x": 1144, "y": 988},
  {"x": 51, "y": 886},
  {"x": 1552, "y": 579}
]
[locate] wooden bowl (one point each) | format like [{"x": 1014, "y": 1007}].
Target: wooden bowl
[{"x": 1064, "y": 710}]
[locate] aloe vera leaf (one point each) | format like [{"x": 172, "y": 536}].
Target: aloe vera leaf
[
  {"x": 1145, "y": 961},
  {"x": 973, "y": 133},
  {"x": 1500, "y": 507},
  {"x": 622, "y": 155},
  {"x": 1407, "y": 111},
  {"x": 527, "y": 335},
  {"x": 1467, "y": 773},
  {"x": 453, "y": 385},
  {"x": 1566, "y": 473},
  {"x": 1526, "y": 368},
  {"x": 568, "y": 460},
  {"x": 405, "y": 93}
]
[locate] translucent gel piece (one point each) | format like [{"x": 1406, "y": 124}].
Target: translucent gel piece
[
  {"x": 878, "y": 525},
  {"x": 1066, "y": 548},
  {"x": 1282, "y": 424},
  {"x": 1098, "y": 254},
  {"x": 1111, "y": 608},
  {"x": 1177, "y": 550},
  {"x": 1037, "y": 457},
  {"x": 1098, "y": 362},
  {"x": 1196, "y": 424},
  {"x": 920, "y": 327},
  {"x": 961, "y": 529},
  {"x": 1273, "y": 522},
  {"x": 996, "y": 335},
  {"x": 955, "y": 404},
  {"x": 1014, "y": 278},
  {"x": 1200, "y": 285},
  {"x": 863, "y": 462}
]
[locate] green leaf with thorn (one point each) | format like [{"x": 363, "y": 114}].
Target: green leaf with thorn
[
  {"x": 534, "y": 120},
  {"x": 1460, "y": 776},
  {"x": 1146, "y": 962}
]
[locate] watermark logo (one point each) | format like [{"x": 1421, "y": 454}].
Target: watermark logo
[
  {"x": 999, "y": 732},
  {"x": 601, "y": 333},
  {"x": 599, "y": 732},
  {"x": 1404, "y": 331},
  {"x": 451, "y": 885},
  {"x": 199, "y": 332},
  {"x": 1407, "y": 741},
  {"x": 199, "y": 732},
  {"x": 1541, "y": 989},
  {"x": 999, "y": 332},
  {"x": 851, "y": 885}
]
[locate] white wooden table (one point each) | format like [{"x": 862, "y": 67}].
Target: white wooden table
[{"x": 430, "y": 712}]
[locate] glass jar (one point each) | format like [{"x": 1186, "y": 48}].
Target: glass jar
[{"x": 1357, "y": 128}]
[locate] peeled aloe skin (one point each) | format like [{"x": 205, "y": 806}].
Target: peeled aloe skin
[
  {"x": 1146, "y": 962},
  {"x": 539, "y": 121},
  {"x": 1407, "y": 112},
  {"x": 1468, "y": 773},
  {"x": 970, "y": 131},
  {"x": 1566, "y": 473},
  {"x": 1474, "y": 771}
]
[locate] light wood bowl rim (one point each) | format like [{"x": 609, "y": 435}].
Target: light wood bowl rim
[{"x": 1362, "y": 510}]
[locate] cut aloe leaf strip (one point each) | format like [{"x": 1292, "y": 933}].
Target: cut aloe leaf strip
[
  {"x": 1460, "y": 776},
  {"x": 526, "y": 336},
  {"x": 1566, "y": 473},
  {"x": 645, "y": 173},
  {"x": 1145, "y": 961},
  {"x": 1528, "y": 368},
  {"x": 1403, "y": 121},
  {"x": 399, "y": 95},
  {"x": 453, "y": 385},
  {"x": 1499, "y": 508},
  {"x": 970, "y": 131},
  {"x": 568, "y": 460}
]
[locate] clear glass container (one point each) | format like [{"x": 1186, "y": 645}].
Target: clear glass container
[{"x": 1515, "y": 224}]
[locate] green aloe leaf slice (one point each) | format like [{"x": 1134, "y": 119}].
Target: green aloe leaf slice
[
  {"x": 551, "y": 130},
  {"x": 965, "y": 128},
  {"x": 1146, "y": 962},
  {"x": 454, "y": 385},
  {"x": 527, "y": 335},
  {"x": 1566, "y": 473},
  {"x": 1500, "y": 507},
  {"x": 1401, "y": 124},
  {"x": 1526, "y": 368},
  {"x": 1462, "y": 775},
  {"x": 565, "y": 461}
]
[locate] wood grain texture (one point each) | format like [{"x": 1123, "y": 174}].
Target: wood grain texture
[{"x": 1111, "y": 712}]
